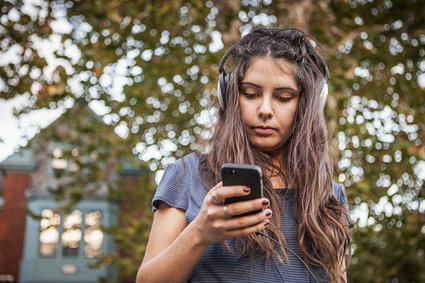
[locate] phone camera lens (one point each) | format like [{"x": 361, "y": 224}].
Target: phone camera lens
[{"x": 233, "y": 171}]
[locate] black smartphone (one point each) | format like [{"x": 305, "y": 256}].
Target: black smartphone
[{"x": 243, "y": 175}]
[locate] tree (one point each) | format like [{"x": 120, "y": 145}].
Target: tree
[{"x": 152, "y": 67}]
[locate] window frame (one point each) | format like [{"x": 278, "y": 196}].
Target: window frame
[{"x": 81, "y": 248}]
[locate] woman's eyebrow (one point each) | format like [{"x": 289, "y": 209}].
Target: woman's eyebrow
[
  {"x": 285, "y": 88},
  {"x": 250, "y": 84}
]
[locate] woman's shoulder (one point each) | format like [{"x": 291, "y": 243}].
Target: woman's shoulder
[
  {"x": 184, "y": 168},
  {"x": 338, "y": 192},
  {"x": 191, "y": 159},
  {"x": 186, "y": 164},
  {"x": 177, "y": 182}
]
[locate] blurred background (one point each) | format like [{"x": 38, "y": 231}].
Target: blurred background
[{"x": 97, "y": 97}]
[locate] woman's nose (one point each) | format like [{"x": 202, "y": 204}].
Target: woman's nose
[{"x": 265, "y": 110}]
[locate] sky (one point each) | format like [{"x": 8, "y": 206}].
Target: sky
[{"x": 15, "y": 132}]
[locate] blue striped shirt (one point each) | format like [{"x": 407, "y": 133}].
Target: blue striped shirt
[{"x": 181, "y": 187}]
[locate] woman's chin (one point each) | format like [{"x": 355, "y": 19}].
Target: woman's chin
[{"x": 270, "y": 149}]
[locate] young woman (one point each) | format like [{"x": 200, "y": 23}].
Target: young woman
[{"x": 271, "y": 115}]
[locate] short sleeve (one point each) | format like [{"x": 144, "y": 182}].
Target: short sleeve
[
  {"x": 172, "y": 188},
  {"x": 339, "y": 194}
]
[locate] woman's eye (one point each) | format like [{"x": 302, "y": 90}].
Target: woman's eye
[
  {"x": 283, "y": 98},
  {"x": 249, "y": 94}
]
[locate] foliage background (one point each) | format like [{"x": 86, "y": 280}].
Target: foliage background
[{"x": 149, "y": 69}]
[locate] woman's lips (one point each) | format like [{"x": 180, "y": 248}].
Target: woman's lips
[{"x": 264, "y": 131}]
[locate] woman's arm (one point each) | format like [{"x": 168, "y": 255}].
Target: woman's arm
[{"x": 174, "y": 249}]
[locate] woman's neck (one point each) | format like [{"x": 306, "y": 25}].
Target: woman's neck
[
  {"x": 278, "y": 183},
  {"x": 277, "y": 173}
]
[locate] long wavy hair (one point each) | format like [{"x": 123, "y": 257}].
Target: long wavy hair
[{"x": 323, "y": 232}]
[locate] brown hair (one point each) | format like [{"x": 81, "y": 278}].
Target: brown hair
[{"x": 323, "y": 233}]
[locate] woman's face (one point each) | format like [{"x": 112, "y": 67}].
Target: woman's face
[{"x": 268, "y": 102}]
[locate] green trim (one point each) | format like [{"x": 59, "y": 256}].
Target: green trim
[
  {"x": 18, "y": 168},
  {"x": 22, "y": 160}
]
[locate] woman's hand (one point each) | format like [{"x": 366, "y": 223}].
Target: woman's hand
[{"x": 215, "y": 223}]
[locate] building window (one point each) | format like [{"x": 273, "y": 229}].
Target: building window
[
  {"x": 60, "y": 164},
  {"x": 71, "y": 236},
  {"x": 93, "y": 236},
  {"x": 73, "y": 231},
  {"x": 49, "y": 232}
]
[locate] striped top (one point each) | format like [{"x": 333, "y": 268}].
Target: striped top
[{"x": 181, "y": 187}]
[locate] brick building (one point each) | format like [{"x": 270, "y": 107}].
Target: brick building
[{"x": 38, "y": 241}]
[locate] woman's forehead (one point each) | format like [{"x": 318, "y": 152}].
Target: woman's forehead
[
  {"x": 267, "y": 62},
  {"x": 270, "y": 69}
]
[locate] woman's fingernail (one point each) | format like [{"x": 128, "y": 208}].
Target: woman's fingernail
[
  {"x": 267, "y": 223},
  {"x": 246, "y": 190},
  {"x": 265, "y": 202},
  {"x": 268, "y": 212}
]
